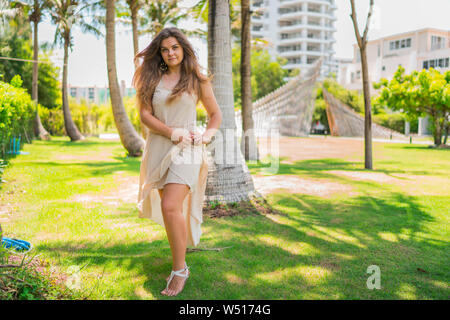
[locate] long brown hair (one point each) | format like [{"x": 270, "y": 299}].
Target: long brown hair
[{"x": 148, "y": 73}]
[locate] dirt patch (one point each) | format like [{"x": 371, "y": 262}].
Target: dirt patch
[
  {"x": 295, "y": 184},
  {"x": 296, "y": 149},
  {"x": 98, "y": 156},
  {"x": 125, "y": 191},
  {"x": 380, "y": 177}
]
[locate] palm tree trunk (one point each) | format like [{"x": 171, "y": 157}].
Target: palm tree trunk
[
  {"x": 71, "y": 129},
  {"x": 248, "y": 141},
  {"x": 132, "y": 142},
  {"x": 228, "y": 181},
  {"x": 39, "y": 130},
  {"x": 134, "y": 25},
  {"x": 134, "y": 8}
]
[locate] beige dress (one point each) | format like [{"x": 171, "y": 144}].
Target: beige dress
[{"x": 164, "y": 162}]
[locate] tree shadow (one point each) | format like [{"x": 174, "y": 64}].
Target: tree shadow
[{"x": 321, "y": 250}]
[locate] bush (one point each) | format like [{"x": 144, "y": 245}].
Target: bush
[
  {"x": 16, "y": 113},
  {"x": 27, "y": 278},
  {"x": 52, "y": 120},
  {"x": 90, "y": 119},
  {"x": 320, "y": 109},
  {"x": 93, "y": 119},
  {"x": 352, "y": 98},
  {"x": 394, "y": 121}
]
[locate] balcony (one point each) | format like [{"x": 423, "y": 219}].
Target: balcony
[
  {"x": 291, "y": 15},
  {"x": 257, "y": 4},
  {"x": 256, "y": 20},
  {"x": 294, "y": 27},
  {"x": 291, "y": 53}
]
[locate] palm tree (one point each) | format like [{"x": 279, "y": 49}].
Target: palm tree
[
  {"x": 134, "y": 6},
  {"x": 7, "y": 11},
  {"x": 130, "y": 139},
  {"x": 227, "y": 182},
  {"x": 35, "y": 9},
  {"x": 248, "y": 140},
  {"x": 158, "y": 14},
  {"x": 65, "y": 14},
  {"x": 130, "y": 15}
]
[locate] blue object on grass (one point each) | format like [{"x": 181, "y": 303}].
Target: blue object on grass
[
  {"x": 16, "y": 244},
  {"x": 14, "y": 145}
]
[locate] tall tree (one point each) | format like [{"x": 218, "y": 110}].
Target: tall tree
[
  {"x": 362, "y": 43},
  {"x": 65, "y": 14},
  {"x": 35, "y": 9},
  {"x": 228, "y": 181},
  {"x": 132, "y": 142},
  {"x": 248, "y": 140},
  {"x": 418, "y": 94},
  {"x": 158, "y": 14}
]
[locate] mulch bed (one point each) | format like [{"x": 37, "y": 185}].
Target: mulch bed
[{"x": 256, "y": 205}]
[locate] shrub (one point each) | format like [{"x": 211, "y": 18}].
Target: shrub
[
  {"x": 16, "y": 113},
  {"x": 394, "y": 121}
]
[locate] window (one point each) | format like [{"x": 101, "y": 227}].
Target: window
[
  {"x": 91, "y": 93},
  {"x": 436, "y": 63},
  {"x": 358, "y": 74},
  {"x": 437, "y": 42},
  {"x": 383, "y": 68},
  {"x": 400, "y": 44}
]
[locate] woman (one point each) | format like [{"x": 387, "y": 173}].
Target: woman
[{"x": 173, "y": 173}]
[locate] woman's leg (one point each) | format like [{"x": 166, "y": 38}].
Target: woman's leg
[{"x": 172, "y": 199}]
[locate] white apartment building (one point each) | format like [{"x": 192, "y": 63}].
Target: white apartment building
[
  {"x": 299, "y": 30},
  {"x": 415, "y": 50}
]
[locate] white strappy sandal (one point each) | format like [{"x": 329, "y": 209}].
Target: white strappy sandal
[{"x": 180, "y": 274}]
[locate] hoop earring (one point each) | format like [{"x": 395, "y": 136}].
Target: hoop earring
[{"x": 163, "y": 66}]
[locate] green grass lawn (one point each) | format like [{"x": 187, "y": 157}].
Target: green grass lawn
[{"x": 319, "y": 247}]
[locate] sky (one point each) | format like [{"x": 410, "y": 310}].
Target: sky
[{"x": 87, "y": 61}]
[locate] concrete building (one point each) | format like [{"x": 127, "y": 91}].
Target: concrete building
[
  {"x": 415, "y": 50},
  {"x": 98, "y": 95},
  {"x": 299, "y": 30}
]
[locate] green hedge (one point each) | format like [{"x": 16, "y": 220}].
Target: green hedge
[
  {"x": 393, "y": 121},
  {"x": 16, "y": 113}
]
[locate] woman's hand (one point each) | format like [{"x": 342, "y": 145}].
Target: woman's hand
[
  {"x": 180, "y": 135},
  {"x": 196, "y": 138},
  {"x": 206, "y": 139},
  {"x": 199, "y": 138}
]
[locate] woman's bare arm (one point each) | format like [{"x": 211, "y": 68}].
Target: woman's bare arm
[
  {"x": 157, "y": 126},
  {"x": 154, "y": 123}
]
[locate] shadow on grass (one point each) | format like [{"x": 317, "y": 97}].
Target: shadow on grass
[
  {"x": 318, "y": 167},
  {"x": 320, "y": 250},
  {"x": 89, "y": 142}
]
